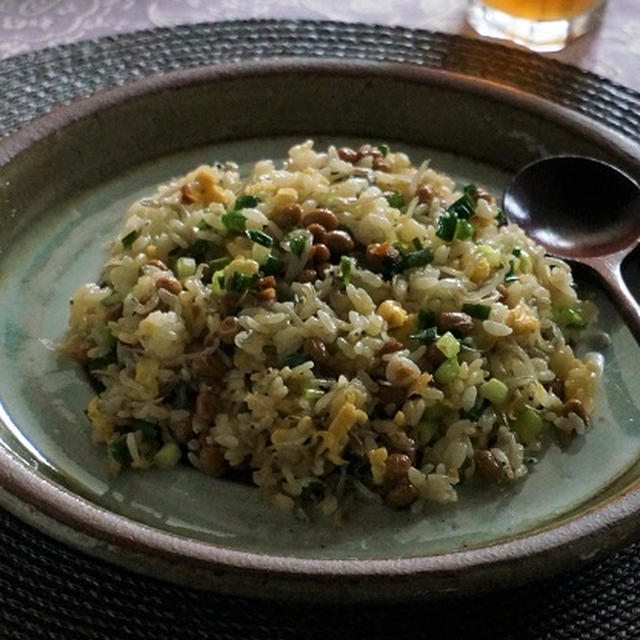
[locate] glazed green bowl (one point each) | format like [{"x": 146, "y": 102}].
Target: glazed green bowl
[{"x": 65, "y": 183}]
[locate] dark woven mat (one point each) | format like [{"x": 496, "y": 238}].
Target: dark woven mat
[{"x": 50, "y": 591}]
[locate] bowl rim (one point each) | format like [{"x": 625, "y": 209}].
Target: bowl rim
[{"x": 107, "y": 534}]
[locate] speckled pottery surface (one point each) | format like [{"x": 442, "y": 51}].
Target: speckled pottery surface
[{"x": 475, "y": 119}]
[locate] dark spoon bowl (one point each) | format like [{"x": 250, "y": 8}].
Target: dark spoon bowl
[{"x": 585, "y": 210}]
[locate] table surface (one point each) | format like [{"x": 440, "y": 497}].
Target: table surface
[{"x": 612, "y": 51}]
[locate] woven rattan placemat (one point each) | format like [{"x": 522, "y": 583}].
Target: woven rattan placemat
[{"x": 48, "y": 590}]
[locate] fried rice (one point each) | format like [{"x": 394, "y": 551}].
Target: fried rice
[{"x": 344, "y": 325}]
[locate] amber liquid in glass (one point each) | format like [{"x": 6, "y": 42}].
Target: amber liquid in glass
[{"x": 542, "y": 9}]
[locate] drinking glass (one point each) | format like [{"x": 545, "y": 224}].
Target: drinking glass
[{"x": 540, "y": 25}]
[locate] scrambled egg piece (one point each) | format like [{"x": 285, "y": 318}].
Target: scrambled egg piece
[{"x": 336, "y": 438}]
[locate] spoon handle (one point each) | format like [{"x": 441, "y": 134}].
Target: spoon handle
[{"x": 609, "y": 270}]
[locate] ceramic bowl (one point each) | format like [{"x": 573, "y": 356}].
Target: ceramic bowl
[{"x": 65, "y": 183}]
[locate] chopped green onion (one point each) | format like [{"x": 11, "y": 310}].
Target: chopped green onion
[
  {"x": 185, "y": 267},
  {"x": 313, "y": 394},
  {"x": 516, "y": 252},
  {"x": 129, "y": 239},
  {"x": 384, "y": 150},
  {"x": 167, "y": 456},
  {"x": 511, "y": 276},
  {"x": 448, "y": 345},
  {"x": 239, "y": 282},
  {"x": 359, "y": 467},
  {"x": 479, "y": 311},
  {"x": 148, "y": 429},
  {"x": 108, "y": 338},
  {"x": 476, "y": 411},
  {"x": 426, "y": 318},
  {"x": 95, "y": 364},
  {"x": 429, "y": 334},
  {"x": 446, "y": 227},
  {"x": 312, "y": 493},
  {"x": 219, "y": 263},
  {"x": 426, "y": 431},
  {"x": 297, "y": 244},
  {"x": 419, "y": 258},
  {"x": 203, "y": 225},
  {"x": 234, "y": 221},
  {"x": 247, "y": 202},
  {"x": 525, "y": 262},
  {"x": 447, "y": 372},
  {"x": 272, "y": 266},
  {"x": 470, "y": 190},
  {"x": 464, "y": 230},
  {"x": 494, "y": 390},
  {"x": 417, "y": 244},
  {"x": 528, "y": 426},
  {"x": 493, "y": 256},
  {"x": 198, "y": 251},
  {"x": 111, "y": 299},
  {"x": 570, "y": 318},
  {"x": 118, "y": 450},
  {"x": 396, "y": 200},
  {"x": 464, "y": 207},
  {"x": 345, "y": 269},
  {"x": 501, "y": 217},
  {"x": 295, "y": 360},
  {"x": 260, "y": 238}
]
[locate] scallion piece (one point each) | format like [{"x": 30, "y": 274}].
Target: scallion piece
[
  {"x": 185, "y": 267},
  {"x": 426, "y": 318},
  {"x": 272, "y": 266},
  {"x": 395, "y": 200},
  {"x": 295, "y": 360},
  {"x": 427, "y": 335},
  {"x": 167, "y": 456},
  {"x": 570, "y": 318},
  {"x": 260, "y": 238},
  {"x": 510, "y": 275},
  {"x": 345, "y": 269},
  {"x": 528, "y": 426},
  {"x": 419, "y": 258},
  {"x": 446, "y": 227},
  {"x": 297, "y": 244},
  {"x": 447, "y": 372},
  {"x": 247, "y": 202},
  {"x": 234, "y": 221},
  {"x": 118, "y": 450},
  {"x": 501, "y": 217},
  {"x": 470, "y": 190},
  {"x": 426, "y": 430},
  {"x": 479, "y": 311},
  {"x": 313, "y": 394},
  {"x": 219, "y": 263},
  {"x": 464, "y": 207},
  {"x": 384, "y": 150},
  {"x": 464, "y": 230},
  {"x": 516, "y": 252},
  {"x": 494, "y": 390},
  {"x": 203, "y": 225},
  {"x": 108, "y": 339},
  {"x": 239, "y": 282},
  {"x": 448, "y": 345},
  {"x": 148, "y": 429},
  {"x": 129, "y": 239}
]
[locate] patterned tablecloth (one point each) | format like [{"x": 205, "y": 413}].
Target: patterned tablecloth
[{"x": 612, "y": 51}]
